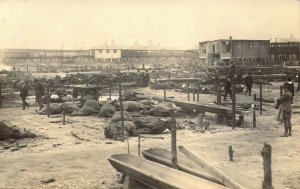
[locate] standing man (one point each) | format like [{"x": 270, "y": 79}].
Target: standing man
[
  {"x": 249, "y": 83},
  {"x": 290, "y": 86},
  {"x": 39, "y": 92},
  {"x": 285, "y": 101},
  {"x": 232, "y": 69},
  {"x": 24, "y": 94},
  {"x": 239, "y": 74},
  {"x": 227, "y": 88}
]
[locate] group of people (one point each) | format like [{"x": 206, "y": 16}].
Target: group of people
[
  {"x": 248, "y": 83},
  {"x": 39, "y": 93},
  {"x": 143, "y": 79}
]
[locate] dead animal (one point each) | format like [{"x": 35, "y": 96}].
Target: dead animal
[
  {"x": 90, "y": 107},
  {"x": 132, "y": 106},
  {"x": 160, "y": 111},
  {"x": 115, "y": 131},
  {"x": 54, "y": 108},
  {"x": 108, "y": 109},
  {"x": 117, "y": 116}
]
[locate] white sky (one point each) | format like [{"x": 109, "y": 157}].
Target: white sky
[{"x": 170, "y": 23}]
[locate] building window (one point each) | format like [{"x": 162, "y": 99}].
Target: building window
[
  {"x": 204, "y": 48},
  {"x": 262, "y": 43},
  {"x": 100, "y": 51},
  {"x": 115, "y": 51},
  {"x": 107, "y": 51},
  {"x": 238, "y": 43},
  {"x": 251, "y": 45}
]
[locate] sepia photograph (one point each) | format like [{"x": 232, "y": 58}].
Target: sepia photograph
[{"x": 149, "y": 94}]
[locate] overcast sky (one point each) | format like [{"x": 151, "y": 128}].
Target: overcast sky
[{"x": 181, "y": 24}]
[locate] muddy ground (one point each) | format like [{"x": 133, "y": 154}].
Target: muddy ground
[{"x": 75, "y": 155}]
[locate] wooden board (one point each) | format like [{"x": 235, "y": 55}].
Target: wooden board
[
  {"x": 163, "y": 156},
  {"x": 217, "y": 109},
  {"x": 157, "y": 175}
]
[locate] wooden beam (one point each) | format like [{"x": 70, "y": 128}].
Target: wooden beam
[
  {"x": 217, "y": 109},
  {"x": 210, "y": 168},
  {"x": 173, "y": 143}
]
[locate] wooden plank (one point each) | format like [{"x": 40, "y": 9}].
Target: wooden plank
[
  {"x": 210, "y": 168},
  {"x": 217, "y": 109},
  {"x": 157, "y": 175},
  {"x": 163, "y": 157}
]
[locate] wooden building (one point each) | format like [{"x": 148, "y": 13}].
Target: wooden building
[
  {"x": 240, "y": 51},
  {"x": 284, "y": 51}
]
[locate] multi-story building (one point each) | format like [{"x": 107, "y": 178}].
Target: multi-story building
[
  {"x": 107, "y": 55},
  {"x": 224, "y": 51},
  {"x": 285, "y": 51}
]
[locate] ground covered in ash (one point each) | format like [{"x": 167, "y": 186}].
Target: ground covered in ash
[{"x": 75, "y": 155}]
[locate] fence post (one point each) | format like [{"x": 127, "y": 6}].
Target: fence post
[
  {"x": 64, "y": 117},
  {"x": 173, "y": 143},
  {"x": 169, "y": 81},
  {"x": 122, "y": 113},
  {"x": 260, "y": 100},
  {"x": 0, "y": 95},
  {"x": 188, "y": 91},
  {"x": 233, "y": 105},
  {"x": 165, "y": 95},
  {"x": 48, "y": 101},
  {"x": 267, "y": 156}
]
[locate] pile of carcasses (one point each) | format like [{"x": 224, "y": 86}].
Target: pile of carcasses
[{"x": 141, "y": 114}]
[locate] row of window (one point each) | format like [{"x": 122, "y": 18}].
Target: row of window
[
  {"x": 285, "y": 45},
  {"x": 107, "y": 51}
]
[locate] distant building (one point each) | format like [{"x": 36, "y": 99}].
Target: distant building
[
  {"x": 283, "y": 51},
  {"x": 107, "y": 55},
  {"x": 42, "y": 55},
  {"x": 92, "y": 55},
  {"x": 223, "y": 51}
]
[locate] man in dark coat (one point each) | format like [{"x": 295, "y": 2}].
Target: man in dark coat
[
  {"x": 249, "y": 83},
  {"x": 39, "y": 92},
  {"x": 24, "y": 94},
  {"x": 290, "y": 85},
  {"x": 227, "y": 88},
  {"x": 285, "y": 101}
]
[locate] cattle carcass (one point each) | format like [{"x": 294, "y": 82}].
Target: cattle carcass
[
  {"x": 90, "y": 107},
  {"x": 117, "y": 116},
  {"x": 160, "y": 111},
  {"x": 114, "y": 130},
  {"x": 132, "y": 106},
  {"x": 108, "y": 109}
]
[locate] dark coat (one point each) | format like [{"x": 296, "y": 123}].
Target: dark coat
[
  {"x": 39, "y": 88},
  {"x": 249, "y": 80},
  {"x": 286, "y": 101},
  {"x": 290, "y": 86},
  {"x": 227, "y": 84},
  {"x": 24, "y": 91}
]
